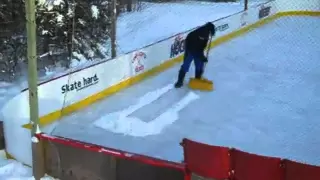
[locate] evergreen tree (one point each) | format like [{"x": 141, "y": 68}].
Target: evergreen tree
[
  {"x": 57, "y": 22},
  {"x": 12, "y": 39},
  {"x": 92, "y": 26},
  {"x": 86, "y": 21}
]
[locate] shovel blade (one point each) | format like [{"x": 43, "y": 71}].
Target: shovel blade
[{"x": 202, "y": 85}]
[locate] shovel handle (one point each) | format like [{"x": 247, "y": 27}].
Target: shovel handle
[
  {"x": 204, "y": 67},
  {"x": 207, "y": 53},
  {"x": 208, "y": 45}
]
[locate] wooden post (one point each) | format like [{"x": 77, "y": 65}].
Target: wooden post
[
  {"x": 38, "y": 160},
  {"x": 113, "y": 162},
  {"x": 113, "y": 29},
  {"x": 246, "y": 5},
  {"x": 129, "y": 5},
  {"x": 37, "y": 148}
]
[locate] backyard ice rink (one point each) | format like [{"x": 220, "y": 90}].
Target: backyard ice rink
[{"x": 266, "y": 101}]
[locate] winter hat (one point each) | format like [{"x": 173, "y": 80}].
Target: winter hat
[{"x": 211, "y": 27}]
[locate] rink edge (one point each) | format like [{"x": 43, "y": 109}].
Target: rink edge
[{"x": 54, "y": 116}]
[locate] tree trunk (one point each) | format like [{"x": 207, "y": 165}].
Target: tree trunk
[
  {"x": 113, "y": 28},
  {"x": 129, "y": 5},
  {"x": 70, "y": 34}
]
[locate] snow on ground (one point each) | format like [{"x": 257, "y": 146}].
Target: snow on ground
[
  {"x": 13, "y": 170},
  {"x": 159, "y": 21},
  {"x": 266, "y": 101}
]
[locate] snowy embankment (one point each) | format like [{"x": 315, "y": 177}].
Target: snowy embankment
[
  {"x": 156, "y": 22},
  {"x": 134, "y": 30}
]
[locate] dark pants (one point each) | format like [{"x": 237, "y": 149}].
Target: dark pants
[
  {"x": 198, "y": 62},
  {"x": 188, "y": 58}
]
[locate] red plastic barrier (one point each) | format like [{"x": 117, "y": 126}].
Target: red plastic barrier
[
  {"x": 113, "y": 152},
  {"x": 247, "y": 166},
  {"x": 205, "y": 160},
  {"x": 299, "y": 171},
  {"x": 213, "y": 162}
]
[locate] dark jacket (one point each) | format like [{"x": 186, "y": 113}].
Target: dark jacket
[{"x": 197, "y": 40}]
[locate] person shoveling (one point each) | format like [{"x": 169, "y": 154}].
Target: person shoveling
[{"x": 195, "y": 44}]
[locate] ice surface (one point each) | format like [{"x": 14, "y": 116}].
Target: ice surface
[{"x": 266, "y": 101}]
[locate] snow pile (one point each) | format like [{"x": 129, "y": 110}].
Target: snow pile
[
  {"x": 13, "y": 170},
  {"x": 124, "y": 123}
]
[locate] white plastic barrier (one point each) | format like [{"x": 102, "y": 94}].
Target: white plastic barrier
[
  {"x": 298, "y": 5},
  {"x": 66, "y": 90}
]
